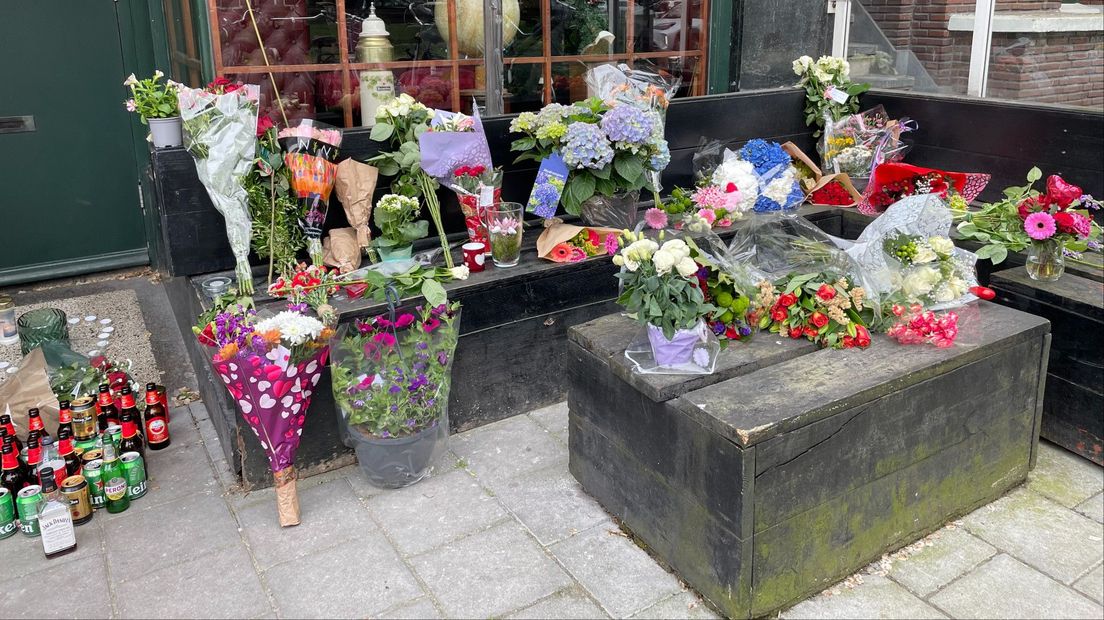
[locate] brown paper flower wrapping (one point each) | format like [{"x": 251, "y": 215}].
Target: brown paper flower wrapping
[
  {"x": 843, "y": 180},
  {"x": 356, "y": 182},
  {"x": 287, "y": 496},
  {"x": 557, "y": 233},
  {"x": 27, "y": 388},
  {"x": 340, "y": 249}
]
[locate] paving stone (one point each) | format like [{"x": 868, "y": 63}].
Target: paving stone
[
  {"x": 567, "y": 604},
  {"x": 1006, "y": 588},
  {"x": 167, "y": 534},
  {"x": 876, "y": 597},
  {"x": 1053, "y": 539},
  {"x": 684, "y": 605},
  {"x": 553, "y": 418},
  {"x": 359, "y": 578},
  {"x": 221, "y": 584},
  {"x": 508, "y": 448},
  {"x": 550, "y": 502},
  {"x": 621, "y": 576},
  {"x": 952, "y": 554},
  {"x": 1093, "y": 508},
  {"x": 179, "y": 471},
  {"x": 20, "y": 555},
  {"x": 330, "y": 513},
  {"x": 489, "y": 573},
  {"x": 36, "y": 595},
  {"x": 435, "y": 511},
  {"x": 1065, "y": 477},
  {"x": 1092, "y": 585},
  {"x": 182, "y": 428},
  {"x": 421, "y": 608}
]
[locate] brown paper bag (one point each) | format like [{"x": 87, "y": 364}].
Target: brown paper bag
[
  {"x": 843, "y": 180},
  {"x": 559, "y": 232},
  {"x": 340, "y": 249},
  {"x": 27, "y": 388},
  {"x": 354, "y": 185},
  {"x": 796, "y": 153},
  {"x": 287, "y": 496}
]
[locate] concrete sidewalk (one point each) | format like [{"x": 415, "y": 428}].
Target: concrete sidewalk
[{"x": 502, "y": 530}]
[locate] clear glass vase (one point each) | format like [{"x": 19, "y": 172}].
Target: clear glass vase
[
  {"x": 504, "y": 227},
  {"x": 1045, "y": 261}
]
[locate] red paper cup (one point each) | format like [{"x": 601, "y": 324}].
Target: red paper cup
[{"x": 475, "y": 256}]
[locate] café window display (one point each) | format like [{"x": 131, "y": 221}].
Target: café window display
[{"x": 332, "y": 59}]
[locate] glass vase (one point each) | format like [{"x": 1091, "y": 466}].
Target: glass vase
[
  {"x": 1045, "y": 261},
  {"x": 504, "y": 229},
  {"x": 617, "y": 211},
  {"x": 38, "y": 327}
]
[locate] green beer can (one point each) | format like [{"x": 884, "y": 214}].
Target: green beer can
[
  {"x": 93, "y": 473},
  {"x": 27, "y": 502},
  {"x": 87, "y": 445},
  {"x": 7, "y": 514},
  {"x": 134, "y": 470}
]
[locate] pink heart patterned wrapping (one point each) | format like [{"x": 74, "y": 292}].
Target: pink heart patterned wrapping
[{"x": 273, "y": 400}]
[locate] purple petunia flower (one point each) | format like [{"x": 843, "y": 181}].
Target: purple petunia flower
[{"x": 442, "y": 358}]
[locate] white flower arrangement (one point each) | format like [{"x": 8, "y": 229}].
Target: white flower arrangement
[
  {"x": 742, "y": 175},
  {"x": 294, "y": 328}
]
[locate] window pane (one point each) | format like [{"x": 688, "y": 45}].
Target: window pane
[
  {"x": 181, "y": 19},
  {"x": 295, "y": 32},
  {"x": 668, "y": 25},
  {"x": 413, "y": 28},
  {"x": 316, "y": 95},
  {"x": 523, "y": 87}
]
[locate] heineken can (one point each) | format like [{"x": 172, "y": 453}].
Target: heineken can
[
  {"x": 75, "y": 489},
  {"x": 93, "y": 474},
  {"x": 87, "y": 445},
  {"x": 27, "y": 503},
  {"x": 7, "y": 514},
  {"x": 134, "y": 470},
  {"x": 84, "y": 419},
  {"x": 115, "y": 432}
]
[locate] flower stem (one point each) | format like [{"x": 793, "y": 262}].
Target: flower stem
[{"x": 430, "y": 194}]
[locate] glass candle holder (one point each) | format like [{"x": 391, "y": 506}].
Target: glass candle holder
[
  {"x": 38, "y": 327},
  {"x": 8, "y": 333},
  {"x": 216, "y": 287},
  {"x": 504, "y": 229}
]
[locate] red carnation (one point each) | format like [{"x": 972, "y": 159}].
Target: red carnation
[
  {"x": 787, "y": 300},
  {"x": 819, "y": 319},
  {"x": 778, "y": 313},
  {"x": 826, "y": 292},
  {"x": 731, "y": 187},
  {"x": 1065, "y": 222}
]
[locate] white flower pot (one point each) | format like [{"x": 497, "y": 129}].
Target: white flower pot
[{"x": 165, "y": 132}]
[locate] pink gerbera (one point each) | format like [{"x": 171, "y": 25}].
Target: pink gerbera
[
  {"x": 1039, "y": 226},
  {"x": 655, "y": 218},
  {"x": 708, "y": 215}
]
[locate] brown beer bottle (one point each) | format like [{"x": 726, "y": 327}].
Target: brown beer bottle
[
  {"x": 65, "y": 418},
  {"x": 157, "y": 420},
  {"x": 34, "y": 423},
  {"x": 132, "y": 439},
  {"x": 6, "y": 423},
  {"x": 11, "y": 476},
  {"x": 65, "y": 451},
  {"x": 106, "y": 412},
  {"x": 34, "y": 458}
]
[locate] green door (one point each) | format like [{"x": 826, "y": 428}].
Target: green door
[{"x": 68, "y": 166}]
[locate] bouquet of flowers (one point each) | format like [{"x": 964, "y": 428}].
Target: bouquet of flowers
[
  {"x": 929, "y": 270},
  {"x": 566, "y": 243},
  {"x": 918, "y": 326},
  {"x": 276, "y": 233},
  {"x": 829, "y": 92},
  {"x": 270, "y": 366},
  {"x": 402, "y": 121},
  {"x": 308, "y": 284},
  {"x": 310, "y": 154},
  {"x": 391, "y": 379},
  {"x": 762, "y": 177},
  {"x": 891, "y": 182},
  {"x": 659, "y": 288},
  {"x": 471, "y": 184},
  {"x": 608, "y": 149},
  {"x": 856, "y": 143},
  {"x": 220, "y": 125},
  {"x": 820, "y": 307},
  {"x": 1060, "y": 216}
]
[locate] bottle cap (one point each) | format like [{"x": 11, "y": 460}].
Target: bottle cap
[{"x": 46, "y": 475}]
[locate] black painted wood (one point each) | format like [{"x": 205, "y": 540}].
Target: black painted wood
[{"x": 769, "y": 482}]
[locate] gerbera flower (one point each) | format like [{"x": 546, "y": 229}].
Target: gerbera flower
[
  {"x": 1039, "y": 226},
  {"x": 578, "y": 255},
  {"x": 561, "y": 253},
  {"x": 655, "y": 218}
]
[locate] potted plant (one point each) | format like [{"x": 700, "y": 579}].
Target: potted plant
[
  {"x": 156, "y": 103},
  {"x": 391, "y": 378},
  {"x": 660, "y": 290},
  {"x": 394, "y": 216}
]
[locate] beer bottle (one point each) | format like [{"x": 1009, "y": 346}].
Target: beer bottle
[
  {"x": 157, "y": 420},
  {"x": 6, "y": 423},
  {"x": 106, "y": 412},
  {"x": 33, "y": 459},
  {"x": 65, "y": 418},
  {"x": 55, "y": 520},
  {"x": 65, "y": 451},
  {"x": 34, "y": 423},
  {"x": 11, "y": 476},
  {"x": 132, "y": 440},
  {"x": 114, "y": 481}
]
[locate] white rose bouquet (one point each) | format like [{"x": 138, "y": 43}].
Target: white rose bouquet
[
  {"x": 930, "y": 272},
  {"x": 821, "y": 79}
]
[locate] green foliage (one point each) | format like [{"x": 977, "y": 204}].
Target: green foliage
[
  {"x": 151, "y": 98},
  {"x": 273, "y": 210},
  {"x": 394, "y": 216}
]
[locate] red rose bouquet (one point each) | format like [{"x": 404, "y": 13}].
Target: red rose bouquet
[
  {"x": 891, "y": 182},
  {"x": 819, "y": 307}
]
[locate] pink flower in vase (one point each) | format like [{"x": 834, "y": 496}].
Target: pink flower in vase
[{"x": 1040, "y": 226}]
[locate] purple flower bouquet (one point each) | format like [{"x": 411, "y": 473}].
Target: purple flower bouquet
[{"x": 391, "y": 378}]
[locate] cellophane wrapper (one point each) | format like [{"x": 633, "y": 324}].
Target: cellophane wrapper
[
  {"x": 699, "y": 346},
  {"x": 220, "y": 131},
  {"x": 442, "y": 152},
  {"x": 311, "y": 149},
  {"x": 707, "y": 157},
  {"x": 857, "y": 143}
]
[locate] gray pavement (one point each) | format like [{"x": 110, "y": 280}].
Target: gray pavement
[{"x": 503, "y": 530}]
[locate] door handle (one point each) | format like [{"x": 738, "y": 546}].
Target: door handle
[{"x": 16, "y": 124}]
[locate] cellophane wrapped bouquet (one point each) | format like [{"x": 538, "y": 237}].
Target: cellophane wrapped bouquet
[
  {"x": 270, "y": 366},
  {"x": 219, "y": 130},
  {"x": 310, "y": 154}
]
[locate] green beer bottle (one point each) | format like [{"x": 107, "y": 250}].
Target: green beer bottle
[{"x": 114, "y": 481}]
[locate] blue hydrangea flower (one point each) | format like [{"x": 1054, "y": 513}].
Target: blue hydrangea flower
[
  {"x": 764, "y": 156},
  {"x": 628, "y": 124},
  {"x": 796, "y": 197},
  {"x": 544, "y": 201},
  {"x": 766, "y": 205},
  {"x": 661, "y": 157},
  {"x": 585, "y": 146}
]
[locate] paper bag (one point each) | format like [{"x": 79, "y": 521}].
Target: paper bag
[
  {"x": 559, "y": 232},
  {"x": 340, "y": 250},
  {"x": 355, "y": 184},
  {"x": 27, "y": 388},
  {"x": 799, "y": 155}
]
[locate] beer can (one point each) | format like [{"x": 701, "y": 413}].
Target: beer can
[
  {"x": 87, "y": 445},
  {"x": 93, "y": 475},
  {"x": 94, "y": 454},
  {"x": 7, "y": 514},
  {"x": 115, "y": 432},
  {"x": 75, "y": 489},
  {"x": 84, "y": 419},
  {"x": 27, "y": 503},
  {"x": 134, "y": 470}
]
